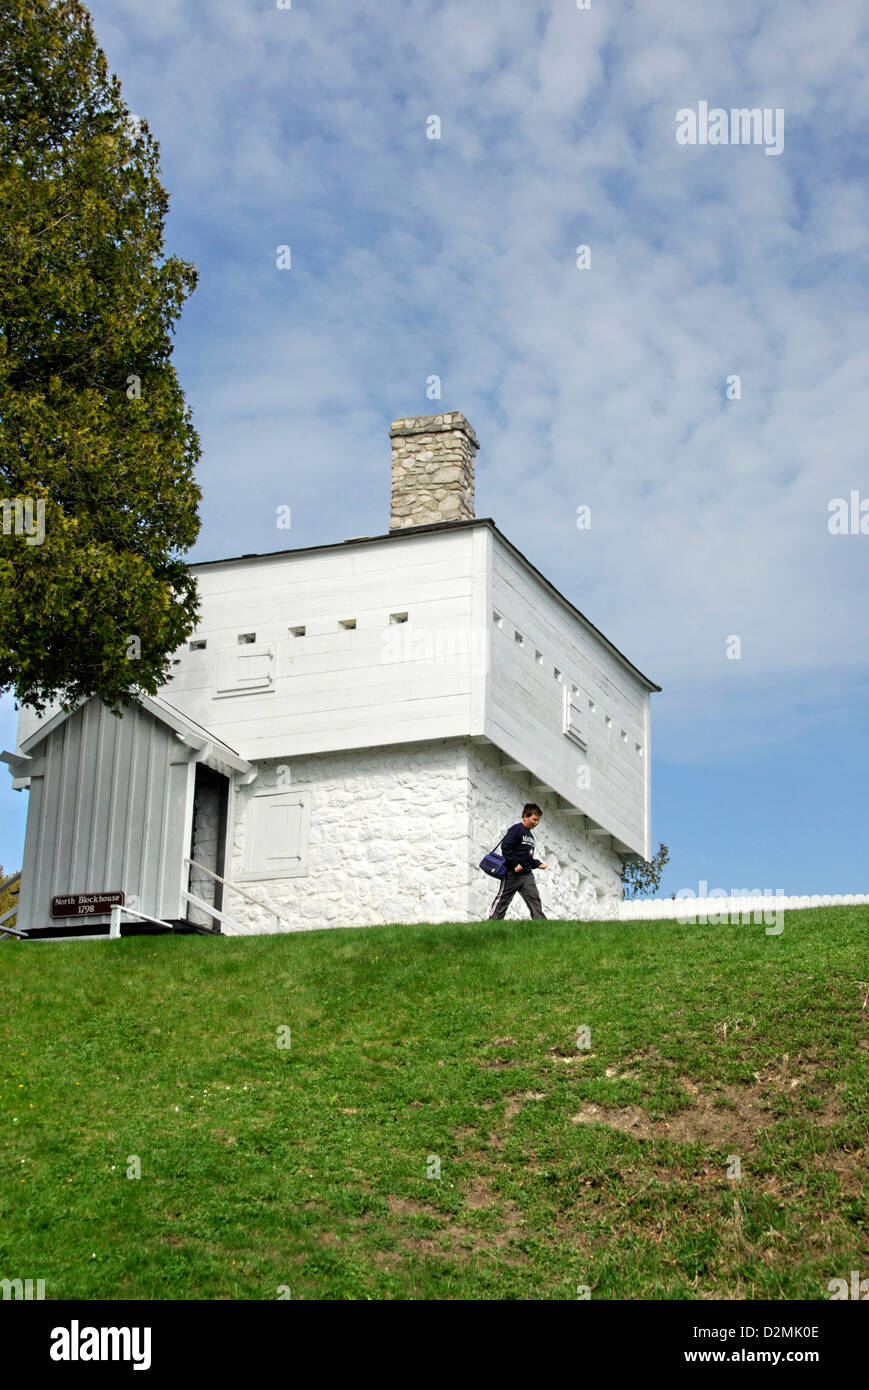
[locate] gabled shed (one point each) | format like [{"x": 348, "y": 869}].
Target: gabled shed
[{"x": 113, "y": 815}]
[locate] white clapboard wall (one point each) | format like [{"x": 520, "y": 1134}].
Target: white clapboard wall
[
  {"x": 566, "y": 704},
  {"x": 381, "y": 681}
]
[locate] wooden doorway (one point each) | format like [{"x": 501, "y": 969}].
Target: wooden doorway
[{"x": 208, "y": 842}]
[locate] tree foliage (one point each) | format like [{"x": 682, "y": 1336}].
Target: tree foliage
[
  {"x": 641, "y": 877},
  {"x": 93, "y": 423}
]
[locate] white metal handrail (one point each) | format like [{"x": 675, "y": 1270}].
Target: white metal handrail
[
  {"x": 214, "y": 911},
  {"x": 235, "y": 889},
  {"x": 115, "y": 927}
]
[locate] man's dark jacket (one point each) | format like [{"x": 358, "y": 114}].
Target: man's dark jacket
[{"x": 517, "y": 847}]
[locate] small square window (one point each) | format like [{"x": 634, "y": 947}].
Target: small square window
[
  {"x": 624, "y": 735},
  {"x": 398, "y": 617},
  {"x": 198, "y": 644},
  {"x": 518, "y": 639},
  {"x": 247, "y": 637},
  {"x": 639, "y": 748},
  {"x": 608, "y": 721},
  {"x": 347, "y": 623},
  {"x": 297, "y": 631},
  {"x": 556, "y": 673},
  {"x": 497, "y": 619},
  {"x": 538, "y": 657},
  {"x": 592, "y": 706}
]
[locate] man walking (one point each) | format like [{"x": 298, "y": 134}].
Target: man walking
[{"x": 517, "y": 848}]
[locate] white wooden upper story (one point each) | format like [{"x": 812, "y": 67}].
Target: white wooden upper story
[
  {"x": 410, "y": 636},
  {"x": 566, "y": 703},
  {"x": 354, "y": 645}
]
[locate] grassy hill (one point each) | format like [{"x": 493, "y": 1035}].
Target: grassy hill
[{"x": 302, "y": 1171}]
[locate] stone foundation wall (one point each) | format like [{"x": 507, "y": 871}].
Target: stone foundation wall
[
  {"x": 388, "y": 839},
  {"x": 396, "y": 835}
]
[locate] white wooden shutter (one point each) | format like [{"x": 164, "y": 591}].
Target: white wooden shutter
[{"x": 276, "y": 835}]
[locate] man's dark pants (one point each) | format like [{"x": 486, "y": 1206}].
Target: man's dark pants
[{"x": 523, "y": 883}]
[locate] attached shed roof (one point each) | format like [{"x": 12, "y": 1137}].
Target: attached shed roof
[
  {"x": 396, "y": 535},
  {"x": 186, "y": 728}
]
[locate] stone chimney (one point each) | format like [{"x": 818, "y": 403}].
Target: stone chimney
[{"x": 432, "y": 470}]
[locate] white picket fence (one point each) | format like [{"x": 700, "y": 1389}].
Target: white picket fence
[{"x": 649, "y": 909}]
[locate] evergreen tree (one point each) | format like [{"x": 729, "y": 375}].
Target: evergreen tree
[{"x": 97, "y": 447}]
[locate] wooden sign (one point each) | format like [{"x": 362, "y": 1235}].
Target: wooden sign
[{"x": 85, "y": 904}]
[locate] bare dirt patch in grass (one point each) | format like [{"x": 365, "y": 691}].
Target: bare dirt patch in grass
[
  {"x": 514, "y": 1101},
  {"x": 849, "y": 1165},
  {"x": 569, "y": 1055},
  {"x": 480, "y": 1193},
  {"x": 424, "y": 1245},
  {"x": 410, "y": 1206},
  {"x": 632, "y": 1119},
  {"x": 328, "y": 1238},
  {"x": 481, "y": 1158},
  {"x": 513, "y": 1227},
  {"x": 454, "y": 1240},
  {"x": 746, "y": 1109}
]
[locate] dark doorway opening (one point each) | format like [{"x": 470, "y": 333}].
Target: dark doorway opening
[{"x": 208, "y": 843}]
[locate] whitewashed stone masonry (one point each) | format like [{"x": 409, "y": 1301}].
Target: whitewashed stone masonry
[
  {"x": 388, "y": 839},
  {"x": 396, "y": 835}
]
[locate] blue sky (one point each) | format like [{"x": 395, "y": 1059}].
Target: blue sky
[{"x": 606, "y": 387}]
